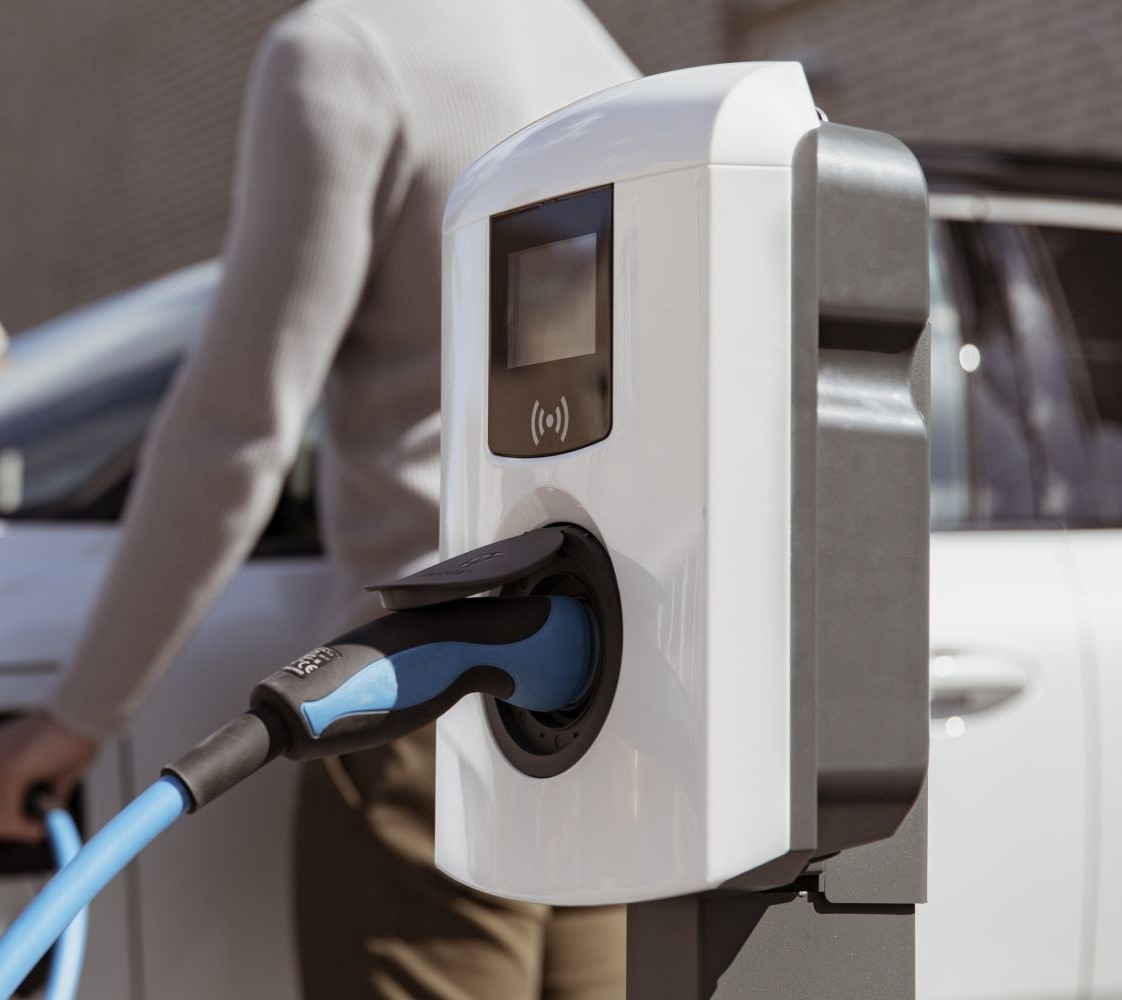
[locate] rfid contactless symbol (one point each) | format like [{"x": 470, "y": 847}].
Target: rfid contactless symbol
[{"x": 557, "y": 421}]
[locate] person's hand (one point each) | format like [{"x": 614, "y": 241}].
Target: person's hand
[{"x": 37, "y": 750}]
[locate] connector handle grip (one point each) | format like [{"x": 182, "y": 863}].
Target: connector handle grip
[{"x": 397, "y": 674}]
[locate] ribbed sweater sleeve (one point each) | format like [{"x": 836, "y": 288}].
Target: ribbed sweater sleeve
[{"x": 320, "y": 138}]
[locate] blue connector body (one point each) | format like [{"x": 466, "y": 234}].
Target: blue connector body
[
  {"x": 550, "y": 668},
  {"x": 400, "y": 672}
]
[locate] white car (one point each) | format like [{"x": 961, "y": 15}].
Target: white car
[
  {"x": 1026, "y": 585},
  {"x": 205, "y": 911},
  {"x": 1026, "y": 613}
]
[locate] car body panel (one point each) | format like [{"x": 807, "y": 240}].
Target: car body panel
[
  {"x": 36, "y": 630},
  {"x": 1097, "y": 565},
  {"x": 1008, "y": 783},
  {"x": 213, "y": 894}
]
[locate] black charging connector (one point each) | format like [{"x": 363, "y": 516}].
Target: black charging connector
[{"x": 397, "y": 674}]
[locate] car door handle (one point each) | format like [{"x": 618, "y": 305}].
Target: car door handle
[{"x": 963, "y": 683}]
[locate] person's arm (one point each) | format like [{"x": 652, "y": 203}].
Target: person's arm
[{"x": 320, "y": 140}]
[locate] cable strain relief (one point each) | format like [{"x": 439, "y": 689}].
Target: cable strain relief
[{"x": 229, "y": 755}]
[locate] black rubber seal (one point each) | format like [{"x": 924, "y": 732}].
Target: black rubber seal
[{"x": 545, "y": 744}]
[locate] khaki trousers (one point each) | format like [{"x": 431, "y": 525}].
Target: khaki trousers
[{"x": 377, "y": 921}]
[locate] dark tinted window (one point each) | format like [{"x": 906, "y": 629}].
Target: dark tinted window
[
  {"x": 998, "y": 447},
  {"x": 1088, "y": 274},
  {"x": 1063, "y": 472},
  {"x": 1033, "y": 453}
]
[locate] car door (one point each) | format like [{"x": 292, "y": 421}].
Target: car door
[
  {"x": 1086, "y": 260},
  {"x": 1011, "y": 755},
  {"x": 37, "y": 605},
  {"x": 206, "y": 911}
]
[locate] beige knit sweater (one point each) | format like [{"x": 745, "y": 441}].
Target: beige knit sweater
[{"x": 359, "y": 116}]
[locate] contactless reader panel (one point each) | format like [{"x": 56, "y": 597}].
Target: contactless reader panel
[
  {"x": 550, "y": 385},
  {"x": 684, "y": 383}
]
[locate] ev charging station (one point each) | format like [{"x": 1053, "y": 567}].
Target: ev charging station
[
  {"x": 685, "y": 453},
  {"x": 719, "y": 304}
]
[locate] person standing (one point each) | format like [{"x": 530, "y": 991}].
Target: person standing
[{"x": 359, "y": 116}]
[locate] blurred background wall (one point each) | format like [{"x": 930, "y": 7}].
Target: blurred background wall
[
  {"x": 118, "y": 117},
  {"x": 1019, "y": 74},
  {"x": 117, "y": 123}
]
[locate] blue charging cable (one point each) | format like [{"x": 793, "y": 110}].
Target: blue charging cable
[
  {"x": 70, "y": 949},
  {"x": 86, "y": 874}
]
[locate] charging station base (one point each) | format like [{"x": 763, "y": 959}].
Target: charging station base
[
  {"x": 769, "y": 946},
  {"x": 844, "y": 929}
]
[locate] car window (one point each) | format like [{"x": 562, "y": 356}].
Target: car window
[
  {"x": 1001, "y": 459},
  {"x": 78, "y": 394},
  {"x": 950, "y": 461},
  {"x": 1065, "y": 483},
  {"x": 1086, "y": 265},
  {"x": 66, "y": 458},
  {"x": 1037, "y": 389}
]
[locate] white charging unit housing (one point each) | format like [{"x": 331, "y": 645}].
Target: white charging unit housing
[{"x": 620, "y": 302}]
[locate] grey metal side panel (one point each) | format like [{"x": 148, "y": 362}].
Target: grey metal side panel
[
  {"x": 872, "y": 237},
  {"x": 804, "y": 493},
  {"x": 682, "y": 948},
  {"x": 769, "y": 946},
  {"x": 806, "y": 949},
  {"x": 872, "y": 486},
  {"x": 891, "y": 871}
]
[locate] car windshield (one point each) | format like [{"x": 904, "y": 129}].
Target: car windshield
[{"x": 78, "y": 391}]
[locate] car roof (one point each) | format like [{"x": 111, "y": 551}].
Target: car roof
[
  {"x": 952, "y": 168},
  {"x": 147, "y": 326}
]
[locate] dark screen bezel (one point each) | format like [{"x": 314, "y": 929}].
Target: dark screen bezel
[{"x": 585, "y": 380}]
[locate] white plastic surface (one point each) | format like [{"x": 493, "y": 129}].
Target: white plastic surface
[
  {"x": 688, "y": 783},
  {"x": 737, "y": 114}
]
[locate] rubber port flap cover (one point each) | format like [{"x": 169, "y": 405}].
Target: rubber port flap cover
[{"x": 505, "y": 561}]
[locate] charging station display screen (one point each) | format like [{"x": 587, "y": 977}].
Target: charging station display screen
[
  {"x": 550, "y": 384},
  {"x": 552, "y": 302}
]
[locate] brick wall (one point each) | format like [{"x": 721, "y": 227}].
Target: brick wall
[
  {"x": 117, "y": 127},
  {"x": 117, "y": 124},
  {"x": 118, "y": 117},
  {"x": 661, "y": 35},
  {"x": 1044, "y": 74}
]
